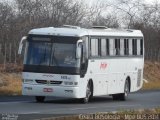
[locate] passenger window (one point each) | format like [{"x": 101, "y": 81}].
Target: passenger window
[
  {"x": 99, "y": 47},
  {"x": 107, "y": 46},
  {"x": 121, "y": 47},
  {"x": 130, "y": 47},
  {"x": 141, "y": 47},
  {"x": 126, "y": 46},
  {"x": 94, "y": 47},
  {"x": 138, "y": 47},
  {"x": 103, "y": 47},
  {"x": 134, "y": 46},
  {"x": 111, "y": 45},
  {"x": 117, "y": 46}
]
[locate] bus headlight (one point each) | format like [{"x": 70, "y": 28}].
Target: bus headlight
[
  {"x": 70, "y": 83},
  {"x": 27, "y": 81}
]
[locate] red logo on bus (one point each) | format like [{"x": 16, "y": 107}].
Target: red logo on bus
[{"x": 103, "y": 65}]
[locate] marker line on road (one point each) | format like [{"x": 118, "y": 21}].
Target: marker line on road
[
  {"x": 105, "y": 107},
  {"x": 15, "y": 102},
  {"x": 30, "y": 113},
  {"x": 83, "y": 108}
]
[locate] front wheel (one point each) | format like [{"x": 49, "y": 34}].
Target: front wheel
[
  {"x": 40, "y": 99},
  {"x": 88, "y": 94}
]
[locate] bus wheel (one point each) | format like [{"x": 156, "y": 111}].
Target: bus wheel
[
  {"x": 124, "y": 96},
  {"x": 40, "y": 99},
  {"x": 88, "y": 94}
]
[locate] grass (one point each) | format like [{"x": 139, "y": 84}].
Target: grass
[
  {"x": 10, "y": 84},
  {"x": 151, "y": 85},
  {"x": 152, "y": 75},
  {"x": 141, "y": 111}
]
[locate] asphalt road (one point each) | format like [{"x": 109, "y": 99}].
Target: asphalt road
[{"x": 27, "y": 108}]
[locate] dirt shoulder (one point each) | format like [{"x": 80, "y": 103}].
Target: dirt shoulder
[
  {"x": 10, "y": 84},
  {"x": 152, "y": 75}
]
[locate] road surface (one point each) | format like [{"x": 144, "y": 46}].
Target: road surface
[{"x": 27, "y": 108}]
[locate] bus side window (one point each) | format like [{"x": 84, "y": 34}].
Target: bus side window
[
  {"x": 111, "y": 49},
  {"x": 85, "y": 43},
  {"x": 103, "y": 47},
  {"x": 126, "y": 46},
  {"x": 107, "y": 47},
  {"x": 99, "y": 47},
  {"x": 130, "y": 47},
  {"x": 94, "y": 47},
  {"x": 138, "y": 47},
  {"x": 134, "y": 46},
  {"x": 141, "y": 47},
  {"x": 117, "y": 46},
  {"x": 121, "y": 47}
]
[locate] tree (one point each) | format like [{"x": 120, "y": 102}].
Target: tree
[
  {"x": 108, "y": 21},
  {"x": 127, "y": 10}
]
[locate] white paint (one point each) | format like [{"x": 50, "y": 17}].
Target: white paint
[
  {"x": 108, "y": 74},
  {"x": 82, "y": 32}
]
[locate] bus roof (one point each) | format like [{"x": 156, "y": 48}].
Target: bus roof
[{"x": 79, "y": 32}]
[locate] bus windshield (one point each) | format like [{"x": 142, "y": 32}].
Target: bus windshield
[{"x": 51, "y": 54}]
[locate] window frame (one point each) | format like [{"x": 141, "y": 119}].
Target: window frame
[{"x": 114, "y": 46}]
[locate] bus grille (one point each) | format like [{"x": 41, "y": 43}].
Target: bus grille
[
  {"x": 41, "y": 81},
  {"x": 55, "y": 82},
  {"x": 48, "y": 82}
]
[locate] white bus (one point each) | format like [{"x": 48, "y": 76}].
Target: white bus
[{"x": 74, "y": 62}]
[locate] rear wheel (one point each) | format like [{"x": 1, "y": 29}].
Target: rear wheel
[
  {"x": 40, "y": 99},
  {"x": 88, "y": 94},
  {"x": 124, "y": 96}
]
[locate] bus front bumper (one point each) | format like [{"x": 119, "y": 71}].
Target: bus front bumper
[{"x": 57, "y": 91}]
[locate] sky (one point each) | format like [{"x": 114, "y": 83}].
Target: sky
[
  {"x": 90, "y": 1},
  {"x": 151, "y": 1},
  {"x": 147, "y": 1}
]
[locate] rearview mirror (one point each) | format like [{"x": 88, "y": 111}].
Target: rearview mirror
[
  {"x": 78, "y": 49},
  {"x": 21, "y": 44},
  {"x": 78, "y": 53}
]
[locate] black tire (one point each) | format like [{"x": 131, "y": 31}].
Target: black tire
[
  {"x": 124, "y": 96},
  {"x": 88, "y": 94},
  {"x": 40, "y": 99}
]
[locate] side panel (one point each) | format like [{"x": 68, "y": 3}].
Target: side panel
[
  {"x": 97, "y": 72},
  {"x": 109, "y": 74}
]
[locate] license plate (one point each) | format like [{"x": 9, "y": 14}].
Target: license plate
[{"x": 47, "y": 90}]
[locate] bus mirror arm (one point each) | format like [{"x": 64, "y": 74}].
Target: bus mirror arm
[
  {"x": 21, "y": 44},
  {"x": 78, "y": 49}
]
